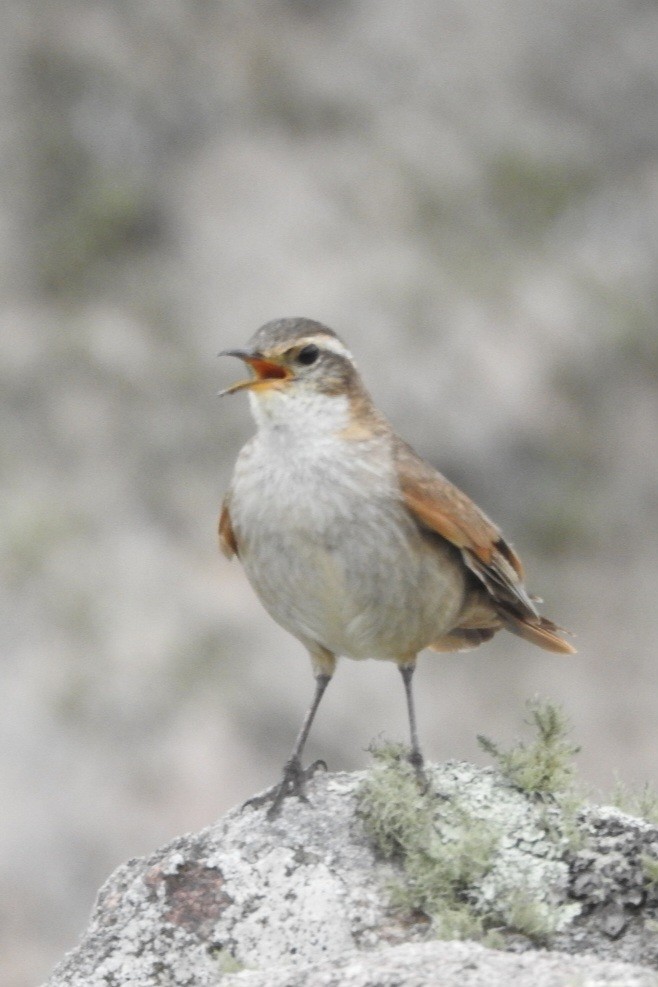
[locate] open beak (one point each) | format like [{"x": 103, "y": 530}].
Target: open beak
[{"x": 265, "y": 371}]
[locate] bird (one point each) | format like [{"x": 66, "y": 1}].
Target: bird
[{"x": 353, "y": 543}]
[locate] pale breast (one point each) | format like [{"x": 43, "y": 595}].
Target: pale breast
[{"x": 333, "y": 554}]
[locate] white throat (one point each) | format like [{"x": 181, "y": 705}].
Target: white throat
[{"x": 299, "y": 411}]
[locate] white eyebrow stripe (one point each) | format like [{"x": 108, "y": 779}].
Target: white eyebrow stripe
[{"x": 328, "y": 343}]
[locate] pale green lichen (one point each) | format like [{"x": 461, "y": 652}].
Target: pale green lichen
[
  {"x": 443, "y": 851},
  {"x": 650, "y": 868},
  {"x": 466, "y": 854},
  {"x": 225, "y": 960}
]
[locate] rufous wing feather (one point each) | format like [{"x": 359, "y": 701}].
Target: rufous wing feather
[
  {"x": 227, "y": 542},
  {"x": 444, "y": 509}
]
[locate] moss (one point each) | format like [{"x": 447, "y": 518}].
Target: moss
[
  {"x": 545, "y": 766},
  {"x": 544, "y": 770},
  {"x": 642, "y": 804},
  {"x": 393, "y": 805},
  {"x": 650, "y": 868},
  {"x": 517, "y": 913},
  {"x": 482, "y": 858},
  {"x": 443, "y": 850},
  {"x": 535, "y": 919},
  {"x": 451, "y": 922}
]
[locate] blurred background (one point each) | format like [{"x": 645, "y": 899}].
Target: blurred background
[{"x": 468, "y": 193}]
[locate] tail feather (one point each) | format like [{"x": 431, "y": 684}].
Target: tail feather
[{"x": 539, "y": 630}]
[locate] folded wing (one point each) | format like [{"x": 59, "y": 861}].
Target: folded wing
[
  {"x": 227, "y": 542},
  {"x": 444, "y": 509}
]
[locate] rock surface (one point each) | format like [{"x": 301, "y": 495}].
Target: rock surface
[
  {"x": 453, "y": 964},
  {"x": 306, "y": 899}
]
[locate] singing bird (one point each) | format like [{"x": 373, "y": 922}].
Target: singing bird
[{"x": 353, "y": 543}]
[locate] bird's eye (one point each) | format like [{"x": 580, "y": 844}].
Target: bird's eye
[{"x": 308, "y": 354}]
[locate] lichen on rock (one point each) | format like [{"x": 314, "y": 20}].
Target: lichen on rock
[{"x": 318, "y": 890}]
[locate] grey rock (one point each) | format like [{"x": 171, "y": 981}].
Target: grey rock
[
  {"x": 305, "y": 899},
  {"x": 619, "y": 902},
  {"x": 453, "y": 964}
]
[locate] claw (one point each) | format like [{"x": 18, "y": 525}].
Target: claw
[
  {"x": 293, "y": 783},
  {"x": 417, "y": 762}
]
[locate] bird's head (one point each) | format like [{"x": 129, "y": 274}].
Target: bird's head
[{"x": 296, "y": 355}]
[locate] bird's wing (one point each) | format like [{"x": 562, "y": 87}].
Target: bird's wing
[
  {"x": 227, "y": 542},
  {"x": 444, "y": 509}
]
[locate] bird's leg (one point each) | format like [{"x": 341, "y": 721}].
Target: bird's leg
[
  {"x": 294, "y": 776},
  {"x": 293, "y": 767},
  {"x": 416, "y": 757}
]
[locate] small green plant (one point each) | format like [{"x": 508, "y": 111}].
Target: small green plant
[
  {"x": 545, "y": 766},
  {"x": 643, "y": 804}
]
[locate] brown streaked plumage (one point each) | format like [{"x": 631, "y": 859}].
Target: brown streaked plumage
[{"x": 353, "y": 542}]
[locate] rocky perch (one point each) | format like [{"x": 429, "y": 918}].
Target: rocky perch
[{"x": 379, "y": 881}]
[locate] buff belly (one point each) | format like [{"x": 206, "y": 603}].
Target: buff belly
[{"x": 363, "y": 583}]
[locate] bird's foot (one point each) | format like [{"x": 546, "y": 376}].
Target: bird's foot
[
  {"x": 417, "y": 762},
  {"x": 423, "y": 780},
  {"x": 293, "y": 783}
]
